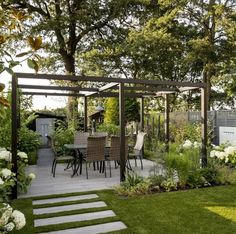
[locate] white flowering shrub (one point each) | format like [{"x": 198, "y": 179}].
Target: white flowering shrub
[
  {"x": 23, "y": 180},
  {"x": 225, "y": 154},
  {"x": 191, "y": 145},
  {"x": 10, "y": 219},
  {"x": 7, "y": 178}
]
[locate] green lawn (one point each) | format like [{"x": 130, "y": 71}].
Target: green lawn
[{"x": 208, "y": 210}]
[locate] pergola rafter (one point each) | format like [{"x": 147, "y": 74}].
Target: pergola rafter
[{"x": 114, "y": 87}]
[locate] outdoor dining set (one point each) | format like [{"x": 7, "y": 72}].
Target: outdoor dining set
[{"x": 97, "y": 150}]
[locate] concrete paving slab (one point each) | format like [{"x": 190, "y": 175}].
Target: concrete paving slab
[
  {"x": 56, "y": 209},
  {"x": 74, "y": 218},
  {"x": 93, "y": 229},
  {"x": 64, "y": 199}
]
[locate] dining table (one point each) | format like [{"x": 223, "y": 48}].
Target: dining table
[{"x": 79, "y": 153}]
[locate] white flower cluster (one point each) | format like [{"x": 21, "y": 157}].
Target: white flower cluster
[
  {"x": 189, "y": 145},
  {"x": 5, "y": 173},
  {"x": 11, "y": 219},
  {"x": 22, "y": 155},
  {"x": 32, "y": 176},
  {"x": 226, "y": 154},
  {"x": 5, "y": 155}
]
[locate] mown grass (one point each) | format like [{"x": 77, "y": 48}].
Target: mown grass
[{"x": 198, "y": 211}]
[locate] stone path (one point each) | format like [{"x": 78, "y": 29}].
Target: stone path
[{"x": 56, "y": 205}]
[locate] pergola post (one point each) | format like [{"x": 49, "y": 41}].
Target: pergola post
[
  {"x": 142, "y": 113},
  {"x": 167, "y": 121},
  {"x": 122, "y": 131},
  {"x": 14, "y": 129},
  {"x": 85, "y": 114},
  {"x": 204, "y": 126}
]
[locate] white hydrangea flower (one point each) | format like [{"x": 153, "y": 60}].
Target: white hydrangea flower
[
  {"x": 3, "y": 149},
  {"x": 9, "y": 227},
  {"x": 19, "y": 219},
  {"x": 196, "y": 145},
  {"x": 32, "y": 176},
  {"x": 6, "y": 214},
  {"x": 5, "y": 172},
  {"x": 5, "y": 155},
  {"x": 187, "y": 144},
  {"x": 212, "y": 153},
  {"x": 1, "y": 181},
  {"x": 220, "y": 154},
  {"x": 230, "y": 150},
  {"x": 22, "y": 155}
]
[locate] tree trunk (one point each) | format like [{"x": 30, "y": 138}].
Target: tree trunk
[{"x": 72, "y": 104}]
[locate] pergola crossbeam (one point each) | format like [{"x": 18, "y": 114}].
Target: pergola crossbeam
[
  {"x": 108, "y": 79},
  {"x": 66, "y": 88}
]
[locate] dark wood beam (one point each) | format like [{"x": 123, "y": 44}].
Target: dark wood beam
[
  {"x": 108, "y": 79},
  {"x": 85, "y": 114},
  {"x": 66, "y": 88},
  {"x": 122, "y": 131},
  {"x": 204, "y": 126},
  {"x": 167, "y": 121},
  {"x": 14, "y": 129},
  {"x": 53, "y": 94}
]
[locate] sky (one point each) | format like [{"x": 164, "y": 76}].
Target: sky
[{"x": 39, "y": 102}]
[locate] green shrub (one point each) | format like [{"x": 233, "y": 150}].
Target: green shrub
[
  {"x": 134, "y": 185},
  {"x": 111, "y": 129},
  {"x": 195, "y": 179},
  {"x": 28, "y": 140},
  {"x": 169, "y": 185},
  {"x": 226, "y": 175},
  {"x": 61, "y": 136}
]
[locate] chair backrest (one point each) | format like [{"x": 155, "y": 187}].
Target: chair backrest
[
  {"x": 96, "y": 149},
  {"x": 140, "y": 141},
  {"x": 81, "y": 138},
  {"x": 101, "y": 134},
  {"x": 114, "y": 153}
]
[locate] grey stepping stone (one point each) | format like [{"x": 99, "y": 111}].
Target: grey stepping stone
[
  {"x": 64, "y": 199},
  {"x": 69, "y": 207},
  {"x": 93, "y": 229},
  {"x": 74, "y": 218}
]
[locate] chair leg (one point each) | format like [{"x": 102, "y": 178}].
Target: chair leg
[
  {"x": 105, "y": 168},
  {"x": 110, "y": 167},
  {"x": 86, "y": 170},
  {"x": 94, "y": 166},
  {"x": 54, "y": 169},
  {"x": 54, "y": 160},
  {"x": 135, "y": 161},
  {"x": 141, "y": 163}
]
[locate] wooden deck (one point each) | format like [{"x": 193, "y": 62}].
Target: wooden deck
[{"x": 46, "y": 184}]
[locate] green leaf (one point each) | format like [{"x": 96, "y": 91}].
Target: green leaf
[
  {"x": 9, "y": 70},
  {"x": 22, "y": 54},
  {"x": 31, "y": 63}
]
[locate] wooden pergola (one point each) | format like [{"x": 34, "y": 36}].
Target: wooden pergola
[{"x": 114, "y": 87}]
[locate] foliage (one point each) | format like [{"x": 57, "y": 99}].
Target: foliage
[
  {"x": 12, "y": 31},
  {"x": 28, "y": 140},
  {"x": 133, "y": 185},
  {"x": 169, "y": 185},
  {"x": 111, "y": 129},
  {"x": 182, "y": 130},
  {"x": 61, "y": 136},
  {"x": 111, "y": 115}
]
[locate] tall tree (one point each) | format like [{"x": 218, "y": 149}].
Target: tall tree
[{"x": 70, "y": 26}]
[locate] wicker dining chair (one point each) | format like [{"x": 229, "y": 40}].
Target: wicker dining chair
[
  {"x": 137, "y": 151},
  {"x": 60, "y": 158},
  {"x": 114, "y": 151},
  {"x": 81, "y": 138},
  {"x": 95, "y": 151}
]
